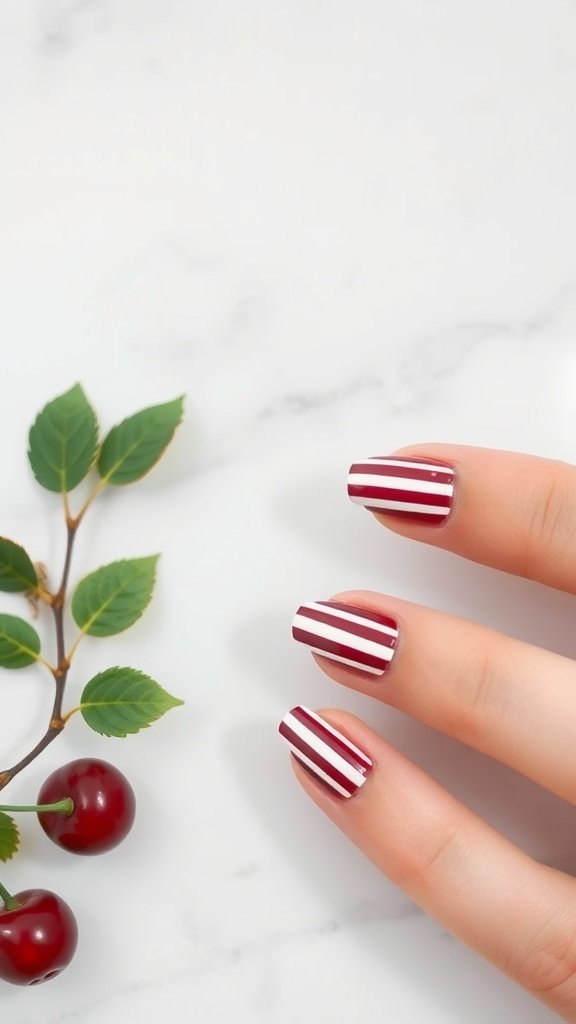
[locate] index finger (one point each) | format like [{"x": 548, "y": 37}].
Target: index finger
[{"x": 514, "y": 512}]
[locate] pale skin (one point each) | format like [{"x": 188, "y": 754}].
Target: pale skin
[{"x": 506, "y": 698}]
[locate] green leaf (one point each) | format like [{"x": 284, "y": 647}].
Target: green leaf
[
  {"x": 120, "y": 701},
  {"x": 16, "y": 570},
  {"x": 19, "y": 642},
  {"x": 133, "y": 447},
  {"x": 113, "y": 598},
  {"x": 9, "y": 837},
  {"x": 63, "y": 442}
]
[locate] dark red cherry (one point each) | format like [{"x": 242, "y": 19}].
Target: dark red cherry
[
  {"x": 37, "y": 938},
  {"x": 104, "y": 806}
]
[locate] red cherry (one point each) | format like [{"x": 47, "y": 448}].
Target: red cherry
[
  {"x": 37, "y": 939},
  {"x": 104, "y": 806}
]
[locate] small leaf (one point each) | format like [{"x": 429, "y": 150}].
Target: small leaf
[
  {"x": 19, "y": 642},
  {"x": 63, "y": 442},
  {"x": 113, "y": 598},
  {"x": 17, "y": 573},
  {"x": 133, "y": 447},
  {"x": 120, "y": 701},
  {"x": 9, "y": 837}
]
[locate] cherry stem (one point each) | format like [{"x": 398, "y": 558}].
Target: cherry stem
[
  {"x": 60, "y": 671},
  {"x": 9, "y": 902},
  {"x": 65, "y": 806}
]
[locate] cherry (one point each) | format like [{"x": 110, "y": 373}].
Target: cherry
[
  {"x": 103, "y": 811},
  {"x": 38, "y": 937}
]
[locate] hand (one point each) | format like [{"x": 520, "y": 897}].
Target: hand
[{"x": 504, "y": 697}]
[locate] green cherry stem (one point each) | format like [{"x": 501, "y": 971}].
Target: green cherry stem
[
  {"x": 65, "y": 806},
  {"x": 9, "y": 902}
]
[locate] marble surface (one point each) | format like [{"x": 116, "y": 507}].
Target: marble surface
[{"x": 340, "y": 228}]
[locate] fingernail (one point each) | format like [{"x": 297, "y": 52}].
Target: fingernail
[
  {"x": 353, "y": 636},
  {"x": 418, "y": 489},
  {"x": 325, "y": 752}
]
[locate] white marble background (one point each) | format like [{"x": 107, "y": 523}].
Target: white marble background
[{"x": 340, "y": 227}]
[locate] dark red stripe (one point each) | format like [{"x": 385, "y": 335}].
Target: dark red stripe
[
  {"x": 332, "y": 647},
  {"x": 317, "y": 759},
  {"x": 384, "y": 620},
  {"x": 338, "y": 744},
  {"x": 391, "y": 494},
  {"x": 348, "y": 627},
  {"x": 446, "y": 477},
  {"x": 415, "y": 517},
  {"x": 314, "y": 775}
]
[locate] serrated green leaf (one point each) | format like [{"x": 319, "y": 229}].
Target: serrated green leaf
[
  {"x": 63, "y": 441},
  {"x": 9, "y": 837},
  {"x": 121, "y": 701},
  {"x": 133, "y": 447},
  {"x": 17, "y": 574},
  {"x": 112, "y": 598},
  {"x": 19, "y": 642}
]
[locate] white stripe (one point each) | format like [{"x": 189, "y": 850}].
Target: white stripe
[
  {"x": 318, "y": 771},
  {"x": 348, "y": 661},
  {"x": 359, "y": 619},
  {"x": 324, "y": 749},
  {"x": 427, "y": 467},
  {"x": 400, "y": 483},
  {"x": 401, "y": 506},
  {"x": 341, "y": 636},
  {"x": 343, "y": 739}
]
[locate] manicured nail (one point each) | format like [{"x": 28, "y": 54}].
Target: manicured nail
[
  {"x": 325, "y": 751},
  {"x": 353, "y": 636},
  {"x": 417, "y": 489}
]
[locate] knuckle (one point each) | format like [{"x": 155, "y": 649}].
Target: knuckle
[
  {"x": 417, "y": 864},
  {"x": 548, "y": 966},
  {"x": 549, "y": 527},
  {"x": 478, "y": 691}
]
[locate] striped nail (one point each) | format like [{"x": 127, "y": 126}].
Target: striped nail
[
  {"x": 353, "y": 636},
  {"x": 325, "y": 752},
  {"x": 417, "y": 489}
]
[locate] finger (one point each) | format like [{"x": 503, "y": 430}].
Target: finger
[
  {"x": 518, "y": 914},
  {"x": 508, "y": 699},
  {"x": 513, "y": 512}
]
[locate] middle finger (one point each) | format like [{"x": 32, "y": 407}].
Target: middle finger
[{"x": 504, "y": 697}]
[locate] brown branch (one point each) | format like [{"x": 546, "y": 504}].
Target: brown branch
[{"x": 60, "y": 673}]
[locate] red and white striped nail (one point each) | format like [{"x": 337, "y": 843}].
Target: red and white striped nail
[
  {"x": 325, "y": 752},
  {"x": 418, "y": 489},
  {"x": 353, "y": 636}
]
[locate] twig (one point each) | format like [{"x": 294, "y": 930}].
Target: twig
[
  {"x": 60, "y": 672},
  {"x": 75, "y": 521}
]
